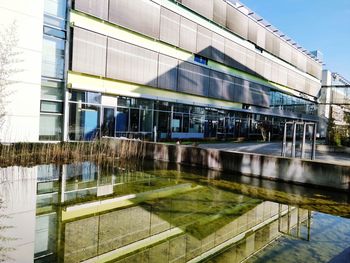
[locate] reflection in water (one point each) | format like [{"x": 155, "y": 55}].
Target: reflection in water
[{"x": 164, "y": 213}]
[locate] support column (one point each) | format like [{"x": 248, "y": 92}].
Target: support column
[
  {"x": 303, "y": 143},
  {"x": 294, "y": 138},
  {"x": 314, "y": 135},
  {"x": 284, "y": 142}
]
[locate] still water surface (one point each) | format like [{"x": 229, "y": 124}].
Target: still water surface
[{"x": 163, "y": 212}]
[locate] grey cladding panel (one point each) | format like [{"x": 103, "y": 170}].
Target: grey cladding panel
[
  {"x": 138, "y": 15},
  {"x": 205, "y": 8},
  {"x": 193, "y": 79},
  {"x": 237, "y": 22},
  {"x": 219, "y": 14},
  {"x": 131, "y": 63},
  {"x": 188, "y": 35},
  {"x": 170, "y": 27},
  {"x": 98, "y": 8},
  {"x": 167, "y": 72},
  {"x": 228, "y": 88},
  {"x": 218, "y": 48},
  {"x": 216, "y": 82},
  {"x": 89, "y": 52},
  {"x": 204, "y": 40}
]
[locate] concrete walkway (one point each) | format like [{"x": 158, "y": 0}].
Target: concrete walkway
[{"x": 274, "y": 148}]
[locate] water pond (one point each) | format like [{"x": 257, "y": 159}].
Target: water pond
[{"x": 161, "y": 212}]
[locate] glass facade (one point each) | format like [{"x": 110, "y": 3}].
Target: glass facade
[
  {"x": 291, "y": 103},
  {"x": 53, "y": 70},
  {"x": 137, "y": 118}
]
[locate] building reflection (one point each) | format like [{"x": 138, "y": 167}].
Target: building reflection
[{"x": 89, "y": 213}]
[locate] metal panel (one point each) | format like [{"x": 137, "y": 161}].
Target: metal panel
[
  {"x": 269, "y": 41},
  {"x": 228, "y": 87},
  {"x": 294, "y": 57},
  {"x": 138, "y": 15},
  {"x": 219, "y": 14},
  {"x": 89, "y": 52},
  {"x": 261, "y": 34},
  {"x": 274, "y": 72},
  {"x": 188, "y": 35},
  {"x": 282, "y": 76},
  {"x": 169, "y": 27},
  {"x": 285, "y": 51},
  {"x": 267, "y": 69},
  {"x": 167, "y": 72},
  {"x": 205, "y": 8},
  {"x": 131, "y": 63},
  {"x": 204, "y": 41},
  {"x": 218, "y": 48},
  {"x": 237, "y": 22},
  {"x": 252, "y": 31},
  {"x": 259, "y": 65},
  {"x": 258, "y": 95},
  {"x": 250, "y": 61},
  {"x": 292, "y": 79},
  {"x": 302, "y": 61},
  {"x": 216, "y": 80},
  {"x": 98, "y": 8},
  {"x": 276, "y": 46},
  {"x": 193, "y": 79},
  {"x": 235, "y": 55}
]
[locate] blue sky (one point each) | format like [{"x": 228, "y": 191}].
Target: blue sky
[{"x": 313, "y": 24}]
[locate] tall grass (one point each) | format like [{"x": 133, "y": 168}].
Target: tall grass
[{"x": 35, "y": 153}]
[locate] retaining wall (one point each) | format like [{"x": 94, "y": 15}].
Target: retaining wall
[{"x": 262, "y": 166}]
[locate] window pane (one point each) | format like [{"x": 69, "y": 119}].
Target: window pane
[
  {"x": 134, "y": 120},
  {"x": 122, "y": 119},
  {"x": 83, "y": 122},
  {"x": 86, "y": 97},
  {"x": 51, "y": 106},
  {"x": 50, "y": 127},
  {"x": 54, "y": 21},
  {"x": 52, "y": 90},
  {"x": 108, "y": 122},
  {"x": 54, "y": 32},
  {"x": 146, "y": 121},
  {"x": 53, "y": 57},
  {"x": 55, "y": 8}
]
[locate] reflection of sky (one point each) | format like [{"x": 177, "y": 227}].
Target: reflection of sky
[{"x": 330, "y": 235}]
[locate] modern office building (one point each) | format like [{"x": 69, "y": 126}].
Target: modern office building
[
  {"x": 145, "y": 68},
  {"x": 334, "y": 99}
]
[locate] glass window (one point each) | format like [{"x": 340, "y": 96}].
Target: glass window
[
  {"x": 86, "y": 97},
  {"x": 146, "y": 121},
  {"x": 122, "y": 120},
  {"x": 51, "y": 106},
  {"x": 83, "y": 121},
  {"x": 196, "y": 123},
  {"x": 200, "y": 59},
  {"x": 50, "y": 127},
  {"x": 52, "y": 90},
  {"x": 54, "y": 32},
  {"x": 176, "y": 123},
  {"x": 134, "y": 120},
  {"x": 108, "y": 124},
  {"x": 181, "y": 108},
  {"x": 54, "y": 21},
  {"x": 53, "y": 57},
  {"x": 162, "y": 105},
  {"x": 56, "y": 8}
]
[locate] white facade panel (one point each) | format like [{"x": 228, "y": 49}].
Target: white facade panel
[{"x": 22, "y": 105}]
